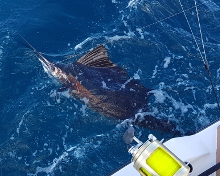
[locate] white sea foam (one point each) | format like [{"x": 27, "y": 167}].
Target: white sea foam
[
  {"x": 104, "y": 86},
  {"x": 194, "y": 94},
  {"x": 123, "y": 85},
  {"x": 83, "y": 110},
  {"x": 140, "y": 32},
  {"x": 202, "y": 118},
  {"x": 85, "y": 100},
  {"x": 116, "y": 38},
  {"x": 132, "y": 3},
  {"x": 12, "y": 154},
  {"x": 184, "y": 48},
  {"x": 65, "y": 94},
  {"x": 51, "y": 167},
  {"x": 124, "y": 21},
  {"x": 161, "y": 85},
  {"x": 50, "y": 151},
  {"x": 53, "y": 93},
  {"x": 210, "y": 106},
  {"x": 114, "y": 1},
  {"x": 78, "y": 152},
  {"x": 154, "y": 72},
  {"x": 64, "y": 141},
  {"x": 178, "y": 57},
  {"x": 161, "y": 96},
  {"x": 167, "y": 61},
  {"x": 130, "y": 33},
  {"x": 180, "y": 105},
  {"x": 137, "y": 74},
  {"x": 79, "y": 46},
  {"x": 57, "y": 95},
  {"x": 34, "y": 154},
  {"x": 75, "y": 105},
  {"x": 19, "y": 125},
  {"x": 185, "y": 75},
  {"x": 21, "y": 121}
]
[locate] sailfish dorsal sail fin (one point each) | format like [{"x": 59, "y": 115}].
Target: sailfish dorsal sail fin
[{"x": 98, "y": 57}]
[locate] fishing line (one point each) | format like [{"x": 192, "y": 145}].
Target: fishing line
[
  {"x": 183, "y": 11},
  {"x": 204, "y": 59},
  {"x": 191, "y": 31},
  {"x": 201, "y": 36}
]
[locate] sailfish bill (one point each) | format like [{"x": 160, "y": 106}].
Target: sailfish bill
[{"x": 106, "y": 87}]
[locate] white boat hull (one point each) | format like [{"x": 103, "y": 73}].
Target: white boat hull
[{"x": 199, "y": 149}]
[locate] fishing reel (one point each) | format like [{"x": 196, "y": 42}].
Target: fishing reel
[{"x": 152, "y": 158}]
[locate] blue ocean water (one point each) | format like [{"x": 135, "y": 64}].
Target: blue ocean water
[{"x": 42, "y": 134}]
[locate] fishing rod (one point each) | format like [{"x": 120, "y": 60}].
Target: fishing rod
[{"x": 204, "y": 58}]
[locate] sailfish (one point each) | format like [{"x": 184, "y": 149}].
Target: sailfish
[{"x": 105, "y": 87}]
